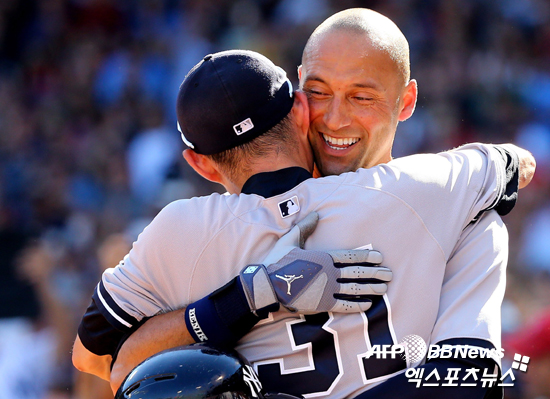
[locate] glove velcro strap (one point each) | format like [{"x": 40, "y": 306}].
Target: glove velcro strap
[
  {"x": 257, "y": 286},
  {"x": 221, "y": 318}
]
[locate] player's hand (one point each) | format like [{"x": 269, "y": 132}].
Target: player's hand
[{"x": 308, "y": 281}]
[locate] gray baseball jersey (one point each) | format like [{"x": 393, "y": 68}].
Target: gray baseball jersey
[
  {"x": 475, "y": 280},
  {"x": 412, "y": 209}
]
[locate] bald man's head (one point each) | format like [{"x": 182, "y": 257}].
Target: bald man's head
[
  {"x": 377, "y": 30},
  {"x": 356, "y": 75}
]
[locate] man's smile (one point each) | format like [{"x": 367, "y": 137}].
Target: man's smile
[{"x": 339, "y": 144}]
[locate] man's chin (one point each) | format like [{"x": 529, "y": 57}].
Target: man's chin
[{"x": 334, "y": 168}]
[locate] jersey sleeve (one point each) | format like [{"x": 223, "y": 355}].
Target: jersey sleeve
[
  {"x": 507, "y": 185},
  {"x": 479, "y": 171},
  {"x": 474, "y": 284},
  {"x": 508, "y": 199},
  {"x": 132, "y": 291},
  {"x": 447, "y": 191}
]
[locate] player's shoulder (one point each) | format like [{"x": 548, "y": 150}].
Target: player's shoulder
[
  {"x": 194, "y": 221},
  {"x": 428, "y": 168},
  {"x": 472, "y": 154},
  {"x": 212, "y": 209}
]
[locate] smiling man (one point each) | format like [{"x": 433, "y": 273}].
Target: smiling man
[{"x": 355, "y": 71}]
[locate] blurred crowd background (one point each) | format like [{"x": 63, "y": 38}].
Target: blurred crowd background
[{"x": 89, "y": 150}]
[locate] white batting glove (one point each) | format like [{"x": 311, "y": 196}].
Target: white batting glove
[{"x": 314, "y": 281}]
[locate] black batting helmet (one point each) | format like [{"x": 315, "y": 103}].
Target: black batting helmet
[{"x": 192, "y": 372}]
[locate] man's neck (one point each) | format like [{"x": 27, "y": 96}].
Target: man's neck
[
  {"x": 268, "y": 164},
  {"x": 270, "y": 184}
]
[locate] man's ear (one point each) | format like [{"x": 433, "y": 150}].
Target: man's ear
[
  {"x": 300, "y": 111},
  {"x": 410, "y": 95},
  {"x": 203, "y": 165},
  {"x": 299, "y": 72}
]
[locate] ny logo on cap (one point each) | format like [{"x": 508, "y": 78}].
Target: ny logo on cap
[
  {"x": 251, "y": 379},
  {"x": 289, "y": 206},
  {"x": 243, "y": 127}
]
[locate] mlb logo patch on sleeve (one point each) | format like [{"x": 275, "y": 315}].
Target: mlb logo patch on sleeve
[
  {"x": 243, "y": 127},
  {"x": 289, "y": 206}
]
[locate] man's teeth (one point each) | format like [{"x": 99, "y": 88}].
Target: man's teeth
[{"x": 340, "y": 142}]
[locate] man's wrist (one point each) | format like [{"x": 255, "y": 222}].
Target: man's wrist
[{"x": 223, "y": 317}]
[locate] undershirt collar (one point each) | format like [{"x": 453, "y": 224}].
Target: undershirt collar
[{"x": 270, "y": 184}]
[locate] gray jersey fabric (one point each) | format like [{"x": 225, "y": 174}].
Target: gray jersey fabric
[{"x": 416, "y": 210}]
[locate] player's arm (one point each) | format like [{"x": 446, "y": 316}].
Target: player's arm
[
  {"x": 516, "y": 171},
  {"x": 89, "y": 362},
  {"x": 474, "y": 283},
  {"x": 230, "y": 312},
  {"x": 161, "y": 332},
  {"x": 471, "y": 295},
  {"x": 470, "y": 302},
  {"x": 475, "y": 274},
  {"x": 125, "y": 298},
  {"x": 520, "y": 169},
  {"x": 462, "y": 183},
  {"x": 102, "y": 328},
  {"x": 128, "y": 294},
  {"x": 527, "y": 165}
]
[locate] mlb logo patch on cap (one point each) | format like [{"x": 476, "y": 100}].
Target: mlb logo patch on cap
[
  {"x": 243, "y": 127},
  {"x": 289, "y": 206}
]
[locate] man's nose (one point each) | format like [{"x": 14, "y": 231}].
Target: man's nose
[{"x": 337, "y": 115}]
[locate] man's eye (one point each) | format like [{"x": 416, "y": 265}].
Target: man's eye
[
  {"x": 315, "y": 93},
  {"x": 360, "y": 98}
]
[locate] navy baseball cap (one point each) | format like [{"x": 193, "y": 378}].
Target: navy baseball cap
[{"x": 230, "y": 98}]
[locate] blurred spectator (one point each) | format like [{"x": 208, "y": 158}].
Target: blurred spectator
[
  {"x": 532, "y": 341},
  {"x": 535, "y": 137},
  {"x": 27, "y": 345},
  {"x": 151, "y": 153},
  {"x": 536, "y": 249},
  {"x": 110, "y": 253},
  {"x": 37, "y": 264}
]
